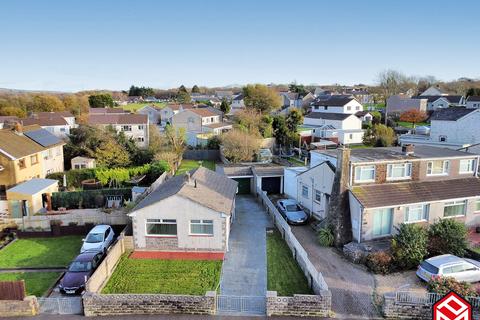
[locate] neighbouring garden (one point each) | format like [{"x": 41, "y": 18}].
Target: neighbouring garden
[
  {"x": 188, "y": 165},
  {"x": 190, "y": 277},
  {"x": 36, "y": 283},
  {"x": 283, "y": 273}
]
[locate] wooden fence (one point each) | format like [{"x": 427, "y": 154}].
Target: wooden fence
[{"x": 12, "y": 290}]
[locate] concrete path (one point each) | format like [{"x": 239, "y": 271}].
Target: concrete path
[
  {"x": 244, "y": 271},
  {"x": 352, "y": 286}
]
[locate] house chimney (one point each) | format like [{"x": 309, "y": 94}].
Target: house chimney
[
  {"x": 18, "y": 128},
  {"x": 339, "y": 208},
  {"x": 408, "y": 149},
  {"x": 195, "y": 183}
]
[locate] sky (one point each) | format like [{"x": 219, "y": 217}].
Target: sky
[{"x": 106, "y": 44}]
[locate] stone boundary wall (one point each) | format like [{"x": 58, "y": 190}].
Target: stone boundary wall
[
  {"x": 299, "y": 305},
  {"x": 395, "y": 309},
  {"x": 13, "y": 308},
  {"x": 127, "y": 304}
]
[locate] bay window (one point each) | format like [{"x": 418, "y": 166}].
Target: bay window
[
  {"x": 438, "y": 167},
  {"x": 416, "y": 213},
  {"x": 454, "y": 208},
  {"x": 201, "y": 227},
  {"x": 161, "y": 227},
  {"x": 364, "y": 174},
  {"x": 397, "y": 171},
  {"x": 467, "y": 166}
]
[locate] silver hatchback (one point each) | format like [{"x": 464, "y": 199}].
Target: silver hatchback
[{"x": 448, "y": 265}]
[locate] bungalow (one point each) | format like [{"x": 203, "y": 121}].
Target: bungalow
[
  {"x": 473, "y": 102},
  {"x": 82, "y": 163},
  {"x": 401, "y": 102},
  {"x": 441, "y": 102},
  {"x": 187, "y": 213}
]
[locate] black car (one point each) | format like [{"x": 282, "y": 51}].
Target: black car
[{"x": 73, "y": 282}]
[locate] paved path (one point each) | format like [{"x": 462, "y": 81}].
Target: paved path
[
  {"x": 153, "y": 317},
  {"x": 351, "y": 285},
  {"x": 244, "y": 271}
]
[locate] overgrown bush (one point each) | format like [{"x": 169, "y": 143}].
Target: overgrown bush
[
  {"x": 443, "y": 285},
  {"x": 447, "y": 236},
  {"x": 74, "y": 177},
  {"x": 325, "y": 236},
  {"x": 87, "y": 198},
  {"x": 380, "y": 262},
  {"x": 409, "y": 245}
]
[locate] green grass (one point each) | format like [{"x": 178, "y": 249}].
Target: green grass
[
  {"x": 409, "y": 124},
  {"x": 36, "y": 283},
  {"x": 188, "y": 165},
  {"x": 476, "y": 249},
  {"x": 133, "y": 107},
  {"x": 283, "y": 273},
  {"x": 40, "y": 252},
  {"x": 296, "y": 161},
  {"x": 164, "y": 276},
  {"x": 359, "y": 146}
]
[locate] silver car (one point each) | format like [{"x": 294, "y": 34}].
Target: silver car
[
  {"x": 292, "y": 212},
  {"x": 448, "y": 265}
]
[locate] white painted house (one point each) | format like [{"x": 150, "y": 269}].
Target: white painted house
[
  {"x": 337, "y": 104},
  {"x": 344, "y": 128},
  {"x": 153, "y": 112},
  {"x": 187, "y": 213},
  {"x": 54, "y": 122},
  {"x": 473, "y": 102},
  {"x": 167, "y": 113}
]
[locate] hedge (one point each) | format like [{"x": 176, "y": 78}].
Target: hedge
[
  {"x": 74, "y": 177},
  {"x": 87, "y": 198}
]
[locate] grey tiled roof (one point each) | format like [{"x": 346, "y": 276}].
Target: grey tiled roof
[
  {"x": 450, "y": 114},
  {"x": 328, "y": 115},
  {"x": 335, "y": 100}
]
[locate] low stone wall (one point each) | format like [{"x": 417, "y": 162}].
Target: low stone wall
[
  {"x": 13, "y": 308},
  {"x": 126, "y": 304},
  {"x": 299, "y": 305}
]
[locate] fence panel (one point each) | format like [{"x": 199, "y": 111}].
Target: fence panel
[
  {"x": 70, "y": 305},
  {"x": 246, "y": 305},
  {"x": 12, "y": 290},
  {"x": 408, "y": 297}
]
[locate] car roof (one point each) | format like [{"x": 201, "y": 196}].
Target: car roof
[
  {"x": 288, "y": 201},
  {"x": 445, "y": 259},
  {"x": 99, "y": 228},
  {"x": 86, "y": 256}
]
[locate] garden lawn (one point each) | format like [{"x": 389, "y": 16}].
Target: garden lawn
[
  {"x": 283, "y": 273},
  {"x": 40, "y": 252},
  {"x": 133, "y": 107},
  {"x": 36, "y": 283},
  {"x": 164, "y": 276},
  {"x": 409, "y": 124},
  {"x": 188, "y": 165}
]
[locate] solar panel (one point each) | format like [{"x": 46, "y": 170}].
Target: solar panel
[{"x": 43, "y": 137}]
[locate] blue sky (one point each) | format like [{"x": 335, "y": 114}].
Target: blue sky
[{"x": 78, "y": 45}]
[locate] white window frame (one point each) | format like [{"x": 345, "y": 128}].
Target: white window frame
[
  {"x": 202, "y": 222},
  {"x": 160, "y": 221},
  {"x": 425, "y": 210},
  {"x": 445, "y": 168},
  {"x": 305, "y": 191},
  {"x": 455, "y": 203},
  {"x": 140, "y": 127},
  {"x": 360, "y": 169},
  {"x": 318, "y": 194},
  {"x": 405, "y": 166},
  {"x": 470, "y": 164},
  {"x": 126, "y": 128},
  {"x": 477, "y": 205}
]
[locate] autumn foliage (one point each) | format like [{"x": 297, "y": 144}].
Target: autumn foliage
[{"x": 413, "y": 116}]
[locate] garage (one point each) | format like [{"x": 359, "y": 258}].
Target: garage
[
  {"x": 244, "y": 185},
  {"x": 272, "y": 185}
]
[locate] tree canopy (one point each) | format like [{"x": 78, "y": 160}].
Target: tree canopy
[
  {"x": 102, "y": 100},
  {"x": 224, "y": 106},
  {"x": 141, "y": 91},
  {"x": 195, "y": 89},
  {"x": 261, "y": 98},
  {"x": 414, "y": 116}
]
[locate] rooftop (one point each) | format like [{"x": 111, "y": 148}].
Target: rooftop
[
  {"x": 117, "y": 118},
  {"x": 33, "y": 186},
  {"x": 41, "y": 136},
  {"x": 451, "y": 114},
  {"x": 395, "y": 194},
  {"x": 334, "y": 100},
  {"x": 15, "y": 145},
  {"x": 45, "y": 120},
  {"x": 328, "y": 115},
  {"x": 106, "y": 110}
]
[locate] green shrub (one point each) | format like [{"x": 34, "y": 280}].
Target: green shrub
[
  {"x": 325, "y": 236},
  {"x": 87, "y": 198},
  {"x": 443, "y": 285},
  {"x": 447, "y": 236},
  {"x": 74, "y": 177},
  {"x": 380, "y": 262},
  {"x": 409, "y": 246}
]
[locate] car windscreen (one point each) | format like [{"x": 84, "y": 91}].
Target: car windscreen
[
  {"x": 429, "y": 267},
  {"x": 293, "y": 207},
  {"x": 80, "y": 266},
  {"x": 94, "y": 237}
]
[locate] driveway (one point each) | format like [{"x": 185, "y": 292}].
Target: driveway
[
  {"x": 244, "y": 271},
  {"x": 352, "y": 286}
]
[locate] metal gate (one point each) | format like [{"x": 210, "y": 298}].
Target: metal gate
[
  {"x": 248, "y": 305},
  {"x": 71, "y": 305}
]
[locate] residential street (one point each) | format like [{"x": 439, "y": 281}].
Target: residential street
[{"x": 244, "y": 270}]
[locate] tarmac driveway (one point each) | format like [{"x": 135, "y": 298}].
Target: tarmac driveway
[{"x": 244, "y": 271}]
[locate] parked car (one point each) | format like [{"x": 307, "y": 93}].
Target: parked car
[
  {"x": 292, "y": 212},
  {"x": 98, "y": 239},
  {"x": 448, "y": 265},
  {"x": 79, "y": 271}
]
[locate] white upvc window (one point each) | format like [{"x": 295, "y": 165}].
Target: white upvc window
[
  {"x": 318, "y": 196},
  {"x": 398, "y": 171},
  {"x": 416, "y": 213},
  {"x": 305, "y": 191},
  {"x": 467, "y": 166},
  {"x": 161, "y": 227},
  {"x": 201, "y": 227},
  {"x": 438, "y": 167},
  {"x": 477, "y": 205},
  {"x": 365, "y": 174},
  {"x": 126, "y": 128},
  {"x": 454, "y": 208}
]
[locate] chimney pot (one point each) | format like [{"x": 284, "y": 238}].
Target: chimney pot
[{"x": 408, "y": 149}]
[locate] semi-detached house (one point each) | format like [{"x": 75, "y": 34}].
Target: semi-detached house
[{"x": 390, "y": 186}]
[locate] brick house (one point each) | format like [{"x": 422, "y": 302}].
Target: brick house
[{"x": 187, "y": 213}]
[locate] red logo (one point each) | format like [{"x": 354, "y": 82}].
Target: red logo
[{"x": 452, "y": 307}]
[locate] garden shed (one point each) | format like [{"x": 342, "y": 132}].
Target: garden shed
[{"x": 30, "y": 197}]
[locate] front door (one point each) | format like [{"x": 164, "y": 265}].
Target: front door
[{"x": 382, "y": 222}]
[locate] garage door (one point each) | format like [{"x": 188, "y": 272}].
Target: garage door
[
  {"x": 271, "y": 184},
  {"x": 243, "y": 185}
]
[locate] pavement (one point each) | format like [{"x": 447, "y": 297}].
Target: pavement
[
  {"x": 155, "y": 317},
  {"x": 244, "y": 271}
]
